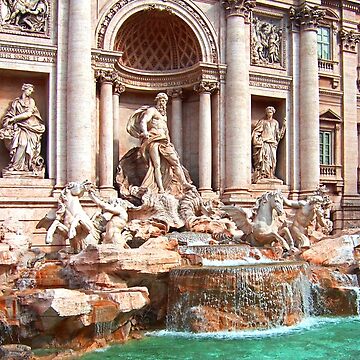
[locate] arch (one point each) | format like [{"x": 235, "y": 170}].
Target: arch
[
  {"x": 116, "y": 15},
  {"x": 157, "y": 41}
]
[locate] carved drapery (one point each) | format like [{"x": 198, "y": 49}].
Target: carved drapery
[{"x": 239, "y": 7}]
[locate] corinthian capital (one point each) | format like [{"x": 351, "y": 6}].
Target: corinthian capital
[
  {"x": 206, "y": 87},
  {"x": 102, "y": 75},
  {"x": 239, "y": 7},
  {"x": 175, "y": 93},
  {"x": 349, "y": 40},
  {"x": 306, "y": 16}
]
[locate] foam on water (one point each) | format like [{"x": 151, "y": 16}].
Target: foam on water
[{"x": 306, "y": 324}]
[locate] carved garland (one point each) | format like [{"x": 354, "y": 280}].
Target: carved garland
[{"x": 121, "y": 3}]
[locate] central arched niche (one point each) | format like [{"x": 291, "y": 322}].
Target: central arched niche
[{"x": 154, "y": 40}]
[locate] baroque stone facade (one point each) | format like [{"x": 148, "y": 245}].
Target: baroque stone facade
[{"x": 92, "y": 63}]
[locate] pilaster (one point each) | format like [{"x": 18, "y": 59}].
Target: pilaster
[
  {"x": 176, "y": 129},
  {"x": 205, "y": 89},
  {"x": 307, "y": 19},
  {"x": 79, "y": 92},
  {"x": 237, "y": 106}
]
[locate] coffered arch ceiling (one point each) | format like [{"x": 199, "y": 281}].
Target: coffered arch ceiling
[{"x": 156, "y": 40}]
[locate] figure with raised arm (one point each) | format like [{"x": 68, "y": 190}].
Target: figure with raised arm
[{"x": 149, "y": 124}]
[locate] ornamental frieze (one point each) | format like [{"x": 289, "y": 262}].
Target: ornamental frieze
[
  {"x": 27, "y": 53},
  {"x": 306, "y": 17},
  {"x": 29, "y": 16}
]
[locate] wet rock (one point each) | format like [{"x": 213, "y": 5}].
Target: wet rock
[
  {"x": 15, "y": 352},
  {"x": 109, "y": 258},
  {"x": 338, "y": 252}
]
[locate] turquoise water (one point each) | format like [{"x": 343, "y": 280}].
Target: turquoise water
[{"x": 313, "y": 339}]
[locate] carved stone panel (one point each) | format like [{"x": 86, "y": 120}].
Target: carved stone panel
[
  {"x": 30, "y": 16},
  {"x": 267, "y": 42}
]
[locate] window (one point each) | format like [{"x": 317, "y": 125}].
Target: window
[
  {"x": 326, "y": 151},
  {"x": 323, "y": 41}
]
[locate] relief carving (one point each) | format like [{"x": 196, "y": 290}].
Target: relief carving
[
  {"x": 265, "y": 42},
  {"x": 25, "y": 15}
]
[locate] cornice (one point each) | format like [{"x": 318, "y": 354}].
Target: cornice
[
  {"x": 186, "y": 78},
  {"x": 270, "y": 81}
]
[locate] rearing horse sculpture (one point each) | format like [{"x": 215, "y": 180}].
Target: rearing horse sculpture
[
  {"x": 260, "y": 229},
  {"x": 70, "y": 219}
]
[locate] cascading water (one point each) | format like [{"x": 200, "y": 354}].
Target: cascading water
[{"x": 238, "y": 297}]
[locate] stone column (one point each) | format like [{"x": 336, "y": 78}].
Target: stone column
[
  {"x": 79, "y": 92},
  {"x": 106, "y": 130},
  {"x": 205, "y": 144},
  {"x": 176, "y": 132},
  {"x": 307, "y": 19},
  {"x": 119, "y": 88},
  {"x": 237, "y": 107},
  {"x": 349, "y": 46}
]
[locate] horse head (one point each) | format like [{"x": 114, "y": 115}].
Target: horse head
[
  {"x": 267, "y": 202},
  {"x": 277, "y": 201}
]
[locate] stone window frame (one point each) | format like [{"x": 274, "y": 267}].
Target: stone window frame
[
  {"x": 321, "y": 44},
  {"x": 330, "y": 122},
  {"x": 323, "y": 146},
  {"x": 329, "y": 66},
  {"x": 271, "y": 15}
]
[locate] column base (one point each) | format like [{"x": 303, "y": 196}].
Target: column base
[
  {"x": 108, "y": 192},
  {"x": 207, "y": 194},
  {"x": 237, "y": 196}
]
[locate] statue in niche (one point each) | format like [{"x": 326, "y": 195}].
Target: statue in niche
[
  {"x": 266, "y": 41},
  {"x": 29, "y": 15},
  {"x": 266, "y": 136},
  {"x": 162, "y": 170},
  {"x": 22, "y": 129}
]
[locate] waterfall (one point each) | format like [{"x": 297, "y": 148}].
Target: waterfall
[{"x": 238, "y": 297}]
